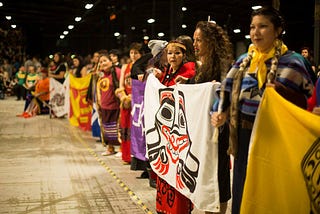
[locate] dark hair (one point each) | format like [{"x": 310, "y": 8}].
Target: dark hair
[
  {"x": 78, "y": 71},
  {"x": 115, "y": 79},
  {"x": 103, "y": 52},
  {"x": 61, "y": 58},
  {"x": 137, "y": 46},
  {"x": 220, "y": 53},
  {"x": 273, "y": 15},
  {"x": 188, "y": 42},
  {"x": 115, "y": 52}
]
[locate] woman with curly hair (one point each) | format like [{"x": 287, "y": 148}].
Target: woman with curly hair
[{"x": 214, "y": 53}]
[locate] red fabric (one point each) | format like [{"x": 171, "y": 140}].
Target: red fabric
[
  {"x": 127, "y": 79},
  {"x": 125, "y": 149},
  {"x": 170, "y": 201},
  {"x": 312, "y": 101},
  {"x": 186, "y": 70},
  {"x": 125, "y": 118},
  {"x": 125, "y": 125},
  {"x": 106, "y": 87}
]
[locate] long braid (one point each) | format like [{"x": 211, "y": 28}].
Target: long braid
[
  {"x": 234, "y": 108},
  {"x": 274, "y": 62}
]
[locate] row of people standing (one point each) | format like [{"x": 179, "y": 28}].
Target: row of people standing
[
  {"x": 243, "y": 88},
  {"x": 268, "y": 63},
  {"x": 213, "y": 51}
]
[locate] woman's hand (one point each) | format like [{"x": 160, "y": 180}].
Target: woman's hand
[
  {"x": 180, "y": 79},
  {"x": 140, "y": 77},
  {"x": 126, "y": 102},
  {"x": 157, "y": 72},
  {"x": 218, "y": 119},
  {"x": 316, "y": 110}
]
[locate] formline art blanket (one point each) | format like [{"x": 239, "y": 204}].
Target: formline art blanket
[{"x": 179, "y": 140}]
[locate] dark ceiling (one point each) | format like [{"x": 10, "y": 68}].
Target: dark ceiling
[{"x": 43, "y": 21}]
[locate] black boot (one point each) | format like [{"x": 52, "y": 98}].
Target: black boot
[{"x": 152, "y": 178}]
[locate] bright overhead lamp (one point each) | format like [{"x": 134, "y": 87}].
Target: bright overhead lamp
[
  {"x": 1, "y": 4},
  {"x": 256, "y": 7},
  {"x": 13, "y": 26},
  {"x": 78, "y": 19},
  {"x": 88, "y": 6},
  {"x": 161, "y": 34},
  {"x": 61, "y": 36},
  {"x": 184, "y": 26},
  {"x": 116, "y": 34},
  {"x": 150, "y": 21},
  {"x": 247, "y": 36},
  {"x": 70, "y": 27},
  {"x": 146, "y": 37},
  {"x": 237, "y": 30},
  {"x": 133, "y": 27},
  {"x": 184, "y": 9},
  {"x": 8, "y": 17},
  {"x": 65, "y": 32}
]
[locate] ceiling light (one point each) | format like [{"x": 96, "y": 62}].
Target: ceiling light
[
  {"x": 236, "y": 30},
  {"x": 160, "y": 34},
  {"x": 133, "y": 28},
  {"x": 116, "y": 34},
  {"x": 1, "y": 4},
  {"x": 13, "y": 26},
  {"x": 184, "y": 9},
  {"x": 8, "y": 17},
  {"x": 146, "y": 37},
  {"x": 150, "y": 21},
  {"x": 65, "y": 32},
  {"x": 61, "y": 36},
  {"x": 247, "y": 36},
  {"x": 70, "y": 27},
  {"x": 88, "y": 6},
  {"x": 77, "y": 19},
  {"x": 256, "y": 7},
  {"x": 184, "y": 26}
]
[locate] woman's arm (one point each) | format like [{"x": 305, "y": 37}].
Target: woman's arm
[
  {"x": 83, "y": 71},
  {"x": 57, "y": 76},
  {"x": 121, "y": 80},
  {"x": 120, "y": 92}
]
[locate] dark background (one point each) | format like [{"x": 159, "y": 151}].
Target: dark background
[{"x": 43, "y": 21}]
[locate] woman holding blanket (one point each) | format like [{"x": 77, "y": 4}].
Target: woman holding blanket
[
  {"x": 267, "y": 58},
  {"x": 214, "y": 53},
  {"x": 176, "y": 57}
]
